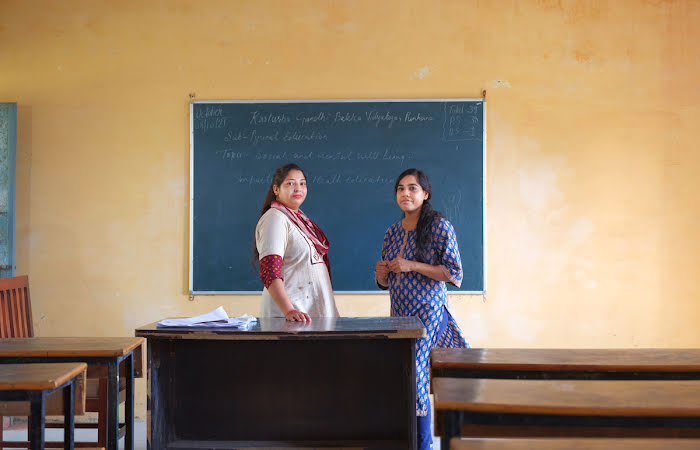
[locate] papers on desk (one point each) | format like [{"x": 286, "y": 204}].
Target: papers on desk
[{"x": 217, "y": 318}]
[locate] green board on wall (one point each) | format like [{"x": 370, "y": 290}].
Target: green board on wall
[
  {"x": 8, "y": 142},
  {"x": 351, "y": 151}
]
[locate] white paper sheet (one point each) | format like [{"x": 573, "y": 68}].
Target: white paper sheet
[{"x": 217, "y": 318}]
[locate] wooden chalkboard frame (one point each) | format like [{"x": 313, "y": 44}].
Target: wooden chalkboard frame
[{"x": 194, "y": 291}]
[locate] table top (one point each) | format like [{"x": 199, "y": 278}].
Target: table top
[
  {"x": 561, "y": 360},
  {"x": 637, "y": 398},
  {"x": 38, "y": 377},
  {"x": 271, "y": 328},
  {"x": 573, "y": 444},
  {"x": 69, "y": 346}
]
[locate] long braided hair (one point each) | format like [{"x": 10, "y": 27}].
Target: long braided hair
[{"x": 424, "y": 237}]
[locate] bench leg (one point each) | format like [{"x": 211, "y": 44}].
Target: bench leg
[
  {"x": 129, "y": 402},
  {"x": 451, "y": 424},
  {"x": 69, "y": 415},
  {"x": 112, "y": 405},
  {"x": 37, "y": 401}
]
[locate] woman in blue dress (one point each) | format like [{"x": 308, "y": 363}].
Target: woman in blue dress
[{"x": 419, "y": 256}]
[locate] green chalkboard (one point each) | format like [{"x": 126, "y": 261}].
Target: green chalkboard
[
  {"x": 8, "y": 150},
  {"x": 351, "y": 151}
]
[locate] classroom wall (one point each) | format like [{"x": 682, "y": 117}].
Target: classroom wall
[{"x": 592, "y": 160}]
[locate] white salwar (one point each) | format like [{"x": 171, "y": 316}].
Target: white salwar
[{"x": 304, "y": 273}]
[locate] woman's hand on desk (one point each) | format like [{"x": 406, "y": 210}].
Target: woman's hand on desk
[{"x": 295, "y": 315}]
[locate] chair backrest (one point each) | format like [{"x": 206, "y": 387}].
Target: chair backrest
[{"x": 15, "y": 308}]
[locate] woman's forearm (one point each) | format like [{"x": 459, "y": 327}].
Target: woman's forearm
[
  {"x": 279, "y": 295},
  {"x": 434, "y": 272}
]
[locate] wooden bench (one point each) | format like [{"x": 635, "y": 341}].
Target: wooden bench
[
  {"x": 574, "y": 444},
  {"x": 591, "y": 364},
  {"x": 33, "y": 382},
  {"x": 107, "y": 358},
  {"x": 573, "y": 408}
]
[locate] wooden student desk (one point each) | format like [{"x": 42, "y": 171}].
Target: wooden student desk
[
  {"x": 591, "y": 364},
  {"x": 495, "y": 407},
  {"x": 103, "y": 356},
  {"x": 344, "y": 381},
  {"x": 33, "y": 382}
]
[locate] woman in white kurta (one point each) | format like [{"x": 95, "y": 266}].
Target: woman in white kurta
[{"x": 293, "y": 253}]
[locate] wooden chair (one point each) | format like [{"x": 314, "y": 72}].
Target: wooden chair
[
  {"x": 16, "y": 321},
  {"x": 15, "y": 308}
]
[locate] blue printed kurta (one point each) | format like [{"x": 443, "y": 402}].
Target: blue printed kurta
[{"x": 414, "y": 294}]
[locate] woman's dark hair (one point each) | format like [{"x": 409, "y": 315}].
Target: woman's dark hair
[
  {"x": 277, "y": 179},
  {"x": 424, "y": 237}
]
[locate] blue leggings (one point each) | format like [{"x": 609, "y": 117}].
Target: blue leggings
[{"x": 425, "y": 436}]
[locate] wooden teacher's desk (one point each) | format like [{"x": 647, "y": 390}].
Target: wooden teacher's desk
[
  {"x": 103, "y": 356},
  {"x": 336, "y": 381}
]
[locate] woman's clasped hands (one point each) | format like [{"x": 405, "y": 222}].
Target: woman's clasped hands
[{"x": 396, "y": 265}]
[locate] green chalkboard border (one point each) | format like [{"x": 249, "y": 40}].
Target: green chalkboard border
[{"x": 194, "y": 292}]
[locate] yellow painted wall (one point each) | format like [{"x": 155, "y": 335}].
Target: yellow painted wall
[{"x": 593, "y": 167}]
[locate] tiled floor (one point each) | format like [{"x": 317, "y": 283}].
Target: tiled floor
[
  {"x": 19, "y": 432},
  {"x": 56, "y": 434}
]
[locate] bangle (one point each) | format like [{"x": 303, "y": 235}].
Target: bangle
[{"x": 291, "y": 311}]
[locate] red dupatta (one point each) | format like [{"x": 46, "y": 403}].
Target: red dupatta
[{"x": 309, "y": 229}]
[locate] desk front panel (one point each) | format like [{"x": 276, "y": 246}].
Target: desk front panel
[{"x": 311, "y": 390}]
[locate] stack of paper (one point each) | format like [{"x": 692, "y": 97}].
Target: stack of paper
[{"x": 216, "y": 318}]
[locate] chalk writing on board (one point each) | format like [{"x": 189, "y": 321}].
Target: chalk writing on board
[
  {"x": 337, "y": 178},
  {"x": 292, "y": 136},
  {"x": 208, "y": 118},
  {"x": 228, "y": 153},
  {"x": 450, "y": 203},
  {"x": 305, "y": 119},
  {"x": 418, "y": 117},
  {"x": 460, "y": 122},
  {"x": 347, "y": 117},
  {"x": 350, "y": 155},
  {"x": 253, "y": 179},
  {"x": 256, "y": 137},
  {"x": 208, "y": 111},
  {"x": 262, "y": 117},
  {"x": 362, "y": 179},
  {"x": 209, "y": 123}
]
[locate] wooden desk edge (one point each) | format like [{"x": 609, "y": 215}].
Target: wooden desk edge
[
  {"x": 121, "y": 351},
  {"x": 486, "y": 396},
  {"x": 72, "y": 370},
  {"x": 553, "y": 367},
  {"x": 497, "y": 359},
  {"x": 209, "y": 334}
]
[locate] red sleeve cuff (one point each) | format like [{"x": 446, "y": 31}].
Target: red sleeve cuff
[{"x": 270, "y": 269}]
